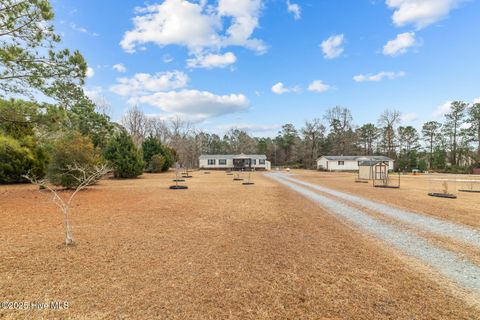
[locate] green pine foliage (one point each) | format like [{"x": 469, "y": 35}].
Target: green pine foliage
[
  {"x": 151, "y": 147},
  {"x": 123, "y": 156}
]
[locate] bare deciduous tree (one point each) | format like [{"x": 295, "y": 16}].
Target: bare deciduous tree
[
  {"x": 85, "y": 177},
  {"x": 388, "y": 120},
  {"x": 135, "y": 121},
  {"x": 158, "y": 128},
  {"x": 313, "y": 135}
]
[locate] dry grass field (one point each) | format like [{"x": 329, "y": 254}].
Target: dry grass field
[{"x": 220, "y": 250}]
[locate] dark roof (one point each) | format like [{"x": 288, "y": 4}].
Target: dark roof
[
  {"x": 232, "y": 156},
  {"x": 357, "y": 158},
  {"x": 369, "y": 163}
]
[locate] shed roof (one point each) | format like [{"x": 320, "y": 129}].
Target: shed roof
[
  {"x": 369, "y": 163},
  {"x": 357, "y": 158},
  {"x": 232, "y": 156}
]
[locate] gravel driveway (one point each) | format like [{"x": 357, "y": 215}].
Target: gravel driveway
[{"x": 450, "y": 264}]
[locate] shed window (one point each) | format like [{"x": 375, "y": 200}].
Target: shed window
[
  {"x": 222, "y": 162},
  {"x": 261, "y": 161},
  {"x": 211, "y": 162},
  {"x": 341, "y": 163}
]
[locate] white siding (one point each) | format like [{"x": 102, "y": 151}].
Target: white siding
[
  {"x": 348, "y": 165},
  {"x": 322, "y": 163},
  {"x": 203, "y": 164}
]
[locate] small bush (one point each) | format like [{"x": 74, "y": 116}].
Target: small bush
[
  {"x": 124, "y": 157},
  {"x": 151, "y": 147},
  {"x": 157, "y": 163},
  {"x": 15, "y": 160},
  {"x": 19, "y": 157},
  {"x": 73, "y": 149}
]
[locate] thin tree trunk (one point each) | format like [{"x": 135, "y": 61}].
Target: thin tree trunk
[{"x": 68, "y": 229}]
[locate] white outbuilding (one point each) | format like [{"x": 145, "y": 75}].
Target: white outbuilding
[
  {"x": 234, "y": 162},
  {"x": 350, "y": 163}
]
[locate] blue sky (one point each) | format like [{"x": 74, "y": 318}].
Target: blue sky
[{"x": 257, "y": 64}]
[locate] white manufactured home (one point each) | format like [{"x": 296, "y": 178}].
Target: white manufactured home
[
  {"x": 234, "y": 162},
  {"x": 349, "y": 163}
]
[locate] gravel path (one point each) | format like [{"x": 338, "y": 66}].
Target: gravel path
[
  {"x": 449, "y": 264},
  {"x": 419, "y": 221}
]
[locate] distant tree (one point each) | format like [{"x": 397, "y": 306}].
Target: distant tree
[
  {"x": 122, "y": 155},
  {"x": 388, "y": 121},
  {"x": 455, "y": 119},
  {"x": 367, "y": 135},
  {"x": 28, "y": 57},
  {"x": 408, "y": 141},
  {"x": 286, "y": 140},
  {"x": 85, "y": 119},
  {"x": 159, "y": 129},
  {"x": 84, "y": 177},
  {"x": 431, "y": 131},
  {"x": 136, "y": 123},
  {"x": 474, "y": 121},
  {"x": 313, "y": 135},
  {"x": 239, "y": 141},
  {"x": 151, "y": 147},
  {"x": 76, "y": 150},
  {"x": 341, "y": 133}
]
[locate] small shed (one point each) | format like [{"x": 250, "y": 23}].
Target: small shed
[{"x": 372, "y": 169}]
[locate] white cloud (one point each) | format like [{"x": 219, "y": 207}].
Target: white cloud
[
  {"x": 379, "y": 76},
  {"x": 294, "y": 9},
  {"x": 318, "y": 86},
  {"x": 197, "y": 26},
  {"x": 245, "y": 15},
  {"x": 249, "y": 127},
  {"x": 119, "y": 67},
  {"x": 210, "y": 61},
  {"x": 167, "y": 58},
  {"x": 194, "y": 104},
  {"x": 442, "y": 109},
  {"x": 332, "y": 47},
  {"x": 144, "y": 83},
  {"x": 95, "y": 93},
  {"x": 477, "y": 100},
  {"x": 420, "y": 13},
  {"x": 83, "y": 30},
  {"x": 400, "y": 44},
  {"x": 90, "y": 72},
  {"x": 280, "y": 88},
  {"x": 409, "y": 117}
]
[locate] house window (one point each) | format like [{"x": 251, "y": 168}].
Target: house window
[
  {"x": 341, "y": 163},
  {"x": 222, "y": 162},
  {"x": 211, "y": 162},
  {"x": 261, "y": 161},
  {"x": 254, "y": 162}
]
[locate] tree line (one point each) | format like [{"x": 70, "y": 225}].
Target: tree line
[
  {"x": 52, "y": 139},
  {"x": 452, "y": 145}
]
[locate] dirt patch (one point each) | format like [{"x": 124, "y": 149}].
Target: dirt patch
[{"x": 217, "y": 250}]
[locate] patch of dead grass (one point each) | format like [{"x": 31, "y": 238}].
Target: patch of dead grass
[{"x": 219, "y": 250}]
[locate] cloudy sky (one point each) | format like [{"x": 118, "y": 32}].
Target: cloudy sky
[{"x": 256, "y": 64}]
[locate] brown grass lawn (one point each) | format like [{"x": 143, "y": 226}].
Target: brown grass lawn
[
  {"x": 412, "y": 195},
  {"x": 219, "y": 250}
]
